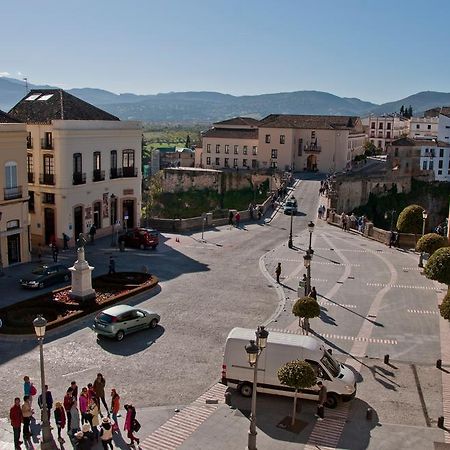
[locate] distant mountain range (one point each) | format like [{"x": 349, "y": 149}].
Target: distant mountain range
[{"x": 207, "y": 107}]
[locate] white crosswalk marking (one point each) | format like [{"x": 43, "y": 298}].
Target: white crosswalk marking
[
  {"x": 402, "y": 286},
  {"x": 422, "y": 311}
]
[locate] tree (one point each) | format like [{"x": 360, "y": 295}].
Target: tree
[
  {"x": 444, "y": 307},
  {"x": 410, "y": 220},
  {"x": 438, "y": 266},
  {"x": 410, "y": 112},
  {"x": 297, "y": 374},
  {"x": 306, "y": 308},
  {"x": 402, "y": 110},
  {"x": 370, "y": 148},
  {"x": 430, "y": 242},
  {"x": 188, "y": 142}
]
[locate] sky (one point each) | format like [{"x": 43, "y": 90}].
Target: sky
[{"x": 377, "y": 51}]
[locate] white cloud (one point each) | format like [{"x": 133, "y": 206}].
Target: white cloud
[{"x": 5, "y": 74}]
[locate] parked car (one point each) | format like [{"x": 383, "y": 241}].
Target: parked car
[
  {"x": 140, "y": 238},
  {"x": 45, "y": 276},
  {"x": 290, "y": 206},
  {"x": 117, "y": 321}
]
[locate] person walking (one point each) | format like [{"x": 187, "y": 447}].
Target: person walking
[
  {"x": 73, "y": 385},
  {"x": 230, "y": 218},
  {"x": 99, "y": 388},
  {"x": 49, "y": 402},
  {"x": 60, "y": 420},
  {"x": 106, "y": 434},
  {"x": 68, "y": 401},
  {"x": 313, "y": 293},
  {"x": 83, "y": 404},
  {"x": 92, "y": 232},
  {"x": 15, "y": 417},
  {"x": 322, "y": 399},
  {"x": 278, "y": 272},
  {"x": 131, "y": 424},
  {"x": 94, "y": 411},
  {"x": 66, "y": 240},
  {"x": 115, "y": 407},
  {"x": 112, "y": 265},
  {"x": 55, "y": 252},
  {"x": 27, "y": 412},
  {"x": 237, "y": 219}
]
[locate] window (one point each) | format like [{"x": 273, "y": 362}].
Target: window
[
  {"x": 254, "y": 150},
  {"x": 226, "y": 162},
  {"x": 267, "y": 138},
  {"x": 97, "y": 214},
  {"x": 208, "y": 161},
  {"x": 380, "y": 144},
  {"x": 424, "y": 165},
  {"x": 97, "y": 161},
  {"x": 11, "y": 174},
  {"x": 31, "y": 201},
  {"x": 217, "y": 161},
  {"x": 418, "y": 127},
  {"x": 29, "y": 140},
  {"x": 380, "y": 126},
  {"x": 48, "y": 198},
  {"x": 128, "y": 158},
  {"x": 235, "y": 163},
  {"x": 208, "y": 148},
  {"x": 77, "y": 163},
  {"x": 388, "y": 134},
  {"x": 244, "y": 150},
  {"x": 30, "y": 168},
  {"x": 300, "y": 147},
  {"x": 396, "y": 151},
  {"x": 227, "y": 149},
  {"x": 218, "y": 148},
  {"x": 372, "y": 125},
  {"x": 282, "y": 139},
  {"x": 429, "y": 127},
  {"x": 244, "y": 162},
  {"x": 47, "y": 142},
  {"x": 441, "y": 152},
  {"x": 439, "y": 172},
  {"x": 236, "y": 149},
  {"x": 313, "y": 135},
  {"x": 440, "y": 164},
  {"x": 274, "y": 153},
  {"x": 431, "y": 167},
  {"x": 388, "y": 126},
  {"x": 273, "y": 164},
  {"x": 254, "y": 163},
  {"x": 12, "y": 224}
]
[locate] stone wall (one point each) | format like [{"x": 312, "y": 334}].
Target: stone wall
[{"x": 182, "y": 179}]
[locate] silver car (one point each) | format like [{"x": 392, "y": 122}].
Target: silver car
[{"x": 119, "y": 320}]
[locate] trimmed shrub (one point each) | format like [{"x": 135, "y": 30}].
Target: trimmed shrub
[
  {"x": 410, "y": 220},
  {"x": 444, "y": 307},
  {"x": 438, "y": 266},
  {"x": 430, "y": 242},
  {"x": 306, "y": 307}
]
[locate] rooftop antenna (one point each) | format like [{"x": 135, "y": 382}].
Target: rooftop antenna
[{"x": 26, "y": 85}]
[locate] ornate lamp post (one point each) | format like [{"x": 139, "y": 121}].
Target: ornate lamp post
[
  {"x": 311, "y": 230},
  {"x": 307, "y": 261},
  {"x": 392, "y": 213},
  {"x": 113, "y": 213},
  {"x": 47, "y": 442},
  {"x": 254, "y": 349},
  {"x": 424, "y": 217},
  {"x": 290, "y": 231}
]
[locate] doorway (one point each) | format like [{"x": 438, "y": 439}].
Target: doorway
[
  {"x": 78, "y": 223},
  {"x": 49, "y": 225},
  {"x": 98, "y": 215},
  {"x": 13, "y": 248},
  {"x": 128, "y": 214},
  {"x": 311, "y": 162}
]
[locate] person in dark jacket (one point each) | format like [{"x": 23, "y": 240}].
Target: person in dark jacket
[
  {"x": 60, "y": 419},
  {"x": 313, "y": 293},
  {"x": 15, "y": 417},
  {"x": 99, "y": 388},
  {"x": 49, "y": 398}
]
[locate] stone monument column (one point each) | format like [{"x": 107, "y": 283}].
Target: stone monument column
[{"x": 81, "y": 275}]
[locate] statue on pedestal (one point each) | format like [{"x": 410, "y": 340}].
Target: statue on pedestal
[{"x": 81, "y": 242}]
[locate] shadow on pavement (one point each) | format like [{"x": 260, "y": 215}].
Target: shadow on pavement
[{"x": 132, "y": 343}]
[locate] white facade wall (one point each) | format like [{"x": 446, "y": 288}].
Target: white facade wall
[
  {"x": 444, "y": 128},
  {"x": 437, "y": 159},
  {"x": 423, "y": 127}
]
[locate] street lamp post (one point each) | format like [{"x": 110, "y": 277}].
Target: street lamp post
[
  {"x": 203, "y": 225},
  {"x": 254, "y": 349},
  {"x": 307, "y": 261},
  {"x": 424, "y": 217},
  {"x": 311, "y": 230},
  {"x": 290, "y": 231},
  {"x": 113, "y": 220},
  {"x": 392, "y": 213},
  {"x": 47, "y": 442}
]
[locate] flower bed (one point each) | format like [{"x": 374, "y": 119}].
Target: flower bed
[{"x": 59, "y": 308}]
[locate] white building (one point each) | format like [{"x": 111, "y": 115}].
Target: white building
[
  {"x": 382, "y": 130},
  {"x": 435, "y": 156},
  {"x": 423, "y": 127},
  {"x": 83, "y": 166}
]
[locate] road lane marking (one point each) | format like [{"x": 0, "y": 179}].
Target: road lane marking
[
  {"x": 401, "y": 286},
  {"x": 422, "y": 311}
]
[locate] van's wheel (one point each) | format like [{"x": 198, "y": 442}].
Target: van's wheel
[
  {"x": 120, "y": 335},
  {"x": 246, "y": 390},
  {"x": 332, "y": 401}
]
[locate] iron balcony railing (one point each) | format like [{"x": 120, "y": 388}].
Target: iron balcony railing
[
  {"x": 98, "y": 175},
  {"x": 47, "y": 178},
  {"x": 78, "y": 178},
  {"x": 30, "y": 177},
  {"x": 12, "y": 192},
  {"x": 46, "y": 144}
]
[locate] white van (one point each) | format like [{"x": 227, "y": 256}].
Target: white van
[{"x": 282, "y": 348}]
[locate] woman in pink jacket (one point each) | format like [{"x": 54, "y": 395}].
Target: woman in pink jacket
[
  {"x": 84, "y": 403},
  {"x": 131, "y": 424}
]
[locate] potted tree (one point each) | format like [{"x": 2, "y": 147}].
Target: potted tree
[{"x": 305, "y": 308}]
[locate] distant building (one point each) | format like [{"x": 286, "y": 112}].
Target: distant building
[
  {"x": 14, "y": 225},
  {"x": 83, "y": 166},
  {"x": 423, "y": 127},
  {"x": 382, "y": 130}
]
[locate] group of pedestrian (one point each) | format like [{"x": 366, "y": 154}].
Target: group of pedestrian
[
  {"x": 255, "y": 211},
  {"x": 321, "y": 211},
  {"x": 79, "y": 411},
  {"x": 353, "y": 222},
  {"x": 234, "y": 219}
]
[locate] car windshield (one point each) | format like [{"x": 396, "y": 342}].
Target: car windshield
[
  {"x": 330, "y": 364},
  {"x": 102, "y": 317},
  {"x": 41, "y": 270}
]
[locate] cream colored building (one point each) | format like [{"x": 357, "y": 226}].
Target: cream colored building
[
  {"x": 83, "y": 167},
  {"x": 304, "y": 142},
  {"x": 232, "y": 144},
  {"x": 382, "y": 130},
  {"x": 14, "y": 224}
]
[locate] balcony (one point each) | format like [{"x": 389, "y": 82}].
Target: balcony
[
  {"x": 114, "y": 173},
  {"x": 47, "y": 178},
  {"x": 98, "y": 175},
  {"x": 129, "y": 172},
  {"x": 30, "y": 177},
  {"x": 12, "y": 193},
  {"x": 312, "y": 148},
  {"x": 29, "y": 142},
  {"x": 78, "y": 178},
  {"x": 46, "y": 145}
]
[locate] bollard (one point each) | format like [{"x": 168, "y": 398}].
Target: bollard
[
  {"x": 369, "y": 413},
  {"x": 439, "y": 363},
  {"x": 441, "y": 422},
  {"x": 386, "y": 359},
  {"x": 227, "y": 396}
]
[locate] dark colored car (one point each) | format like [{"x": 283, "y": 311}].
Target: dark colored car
[
  {"x": 45, "y": 276},
  {"x": 140, "y": 238}
]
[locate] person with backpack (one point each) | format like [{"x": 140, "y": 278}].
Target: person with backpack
[
  {"x": 131, "y": 424},
  {"x": 29, "y": 389}
]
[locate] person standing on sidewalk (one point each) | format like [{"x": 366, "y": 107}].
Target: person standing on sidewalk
[
  {"x": 15, "y": 417},
  {"x": 92, "y": 232},
  {"x": 278, "y": 272},
  {"x": 27, "y": 412},
  {"x": 66, "y": 240},
  {"x": 115, "y": 407},
  {"x": 237, "y": 218},
  {"x": 60, "y": 419},
  {"x": 112, "y": 265},
  {"x": 55, "y": 252},
  {"x": 322, "y": 399},
  {"x": 313, "y": 293},
  {"x": 106, "y": 434},
  {"x": 99, "y": 388},
  {"x": 68, "y": 401},
  {"x": 83, "y": 403},
  {"x": 49, "y": 401}
]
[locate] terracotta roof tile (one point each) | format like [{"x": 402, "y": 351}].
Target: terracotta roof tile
[
  {"x": 232, "y": 133},
  {"x": 6, "y": 118},
  {"x": 246, "y": 121},
  {"x": 307, "y": 121}
]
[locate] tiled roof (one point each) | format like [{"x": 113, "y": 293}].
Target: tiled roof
[
  {"x": 434, "y": 112},
  {"x": 232, "y": 133},
  {"x": 445, "y": 110},
  {"x": 6, "y": 118},
  {"x": 248, "y": 121},
  {"x": 45, "y": 105},
  {"x": 306, "y": 121},
  {"x": 409, "y": 142}
]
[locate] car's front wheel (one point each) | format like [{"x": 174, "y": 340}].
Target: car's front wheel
[
  {"x": 120, "y": 335},
  {"x": 153, "y": 323},
  {"x": 41, "y": 285},
  {"x": 332, "y": 401}
]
